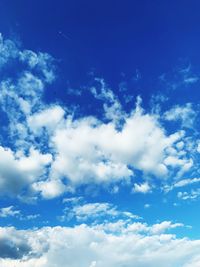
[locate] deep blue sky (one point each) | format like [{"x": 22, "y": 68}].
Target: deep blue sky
[{"x": 110, "y": 37}]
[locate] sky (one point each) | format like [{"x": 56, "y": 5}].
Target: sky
[{"x": 99, "y": 133}]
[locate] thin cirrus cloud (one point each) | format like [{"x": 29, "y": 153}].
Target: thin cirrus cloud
[{"x": 96, "y": 211}]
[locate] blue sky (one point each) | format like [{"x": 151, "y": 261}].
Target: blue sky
[{"x": 99, "y": 133}]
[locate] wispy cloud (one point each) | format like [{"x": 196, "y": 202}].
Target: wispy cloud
[
  {"x": 181, "y": 183},
  {"x": 193, "y": 194},
  {"x": 185, "y": 114},
  {"x": 97, "y": 212},
  {"x": 9, "y": 211}
]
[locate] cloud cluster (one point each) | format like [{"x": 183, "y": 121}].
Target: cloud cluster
[
  {"x": 91, "y": 151},
  {"x": 47, "y": 151},
  {"x": 85, "y": 246}
]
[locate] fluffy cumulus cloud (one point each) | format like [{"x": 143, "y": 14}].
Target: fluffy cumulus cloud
[
  {"x": 73, "y": 152},
  {"x": 86, "y": 246},
  {"x": 20, "y": 244},
  {"x": 18, "y": 171},
  {"x": 92, "y": 151},
  {"x": 141, "y": 188}
]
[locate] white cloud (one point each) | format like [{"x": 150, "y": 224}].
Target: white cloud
[
  {"x": 163, "y": 226},
  {"x": 8, "y": 51},
  {"x": 50, "y": 188},
  {"x": 96, "y": 211},
  {"x": 90, "y": 151},
  {"x": 186, "y": 114},
  {"x": 141, "y": 188},
  {"x": 193, "y": 194},
  {"x": 188, "y": 76},
  {"x": 183, "y": 164},
  {"x": 103, "y": 154},
  {"x": 18, "y": 171},
  {"x": 73, "y": 200},
  {"x": 47, "y": 119},
  {"x": 89, "y": 246},
  {"x": 9, "y": 211},
  {"x": 20, "y": 244},
  {"x": 39, "y": 61},
  {"x": 185, "y": 182},
  {"x": 80, "y": 151},
  {"x": 31, "y": 216},
  {"x": 181, "y": 183},
  {"x": 112, "y": 107},
  {"x": 125, "y": 227}
]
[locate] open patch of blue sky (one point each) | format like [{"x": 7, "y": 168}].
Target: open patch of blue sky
[{"x": 99, "y": 133}]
